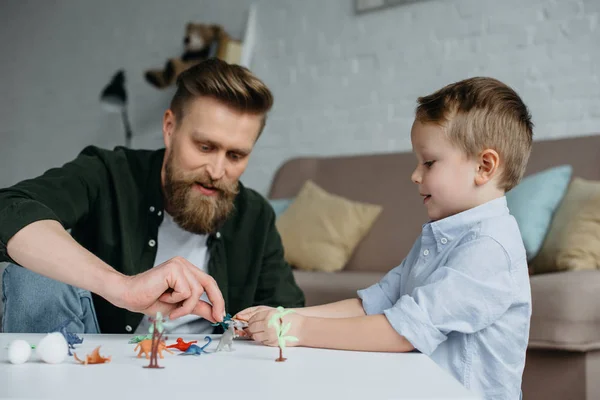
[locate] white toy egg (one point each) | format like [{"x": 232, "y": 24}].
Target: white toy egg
[
  {"x": 53, "y": 348},
  {"x": 19, "y": 351}
]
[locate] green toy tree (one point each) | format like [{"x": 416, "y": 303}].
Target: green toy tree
[
  {"x": 277, "y": 322},
  {"x": 156, "y": 330}
]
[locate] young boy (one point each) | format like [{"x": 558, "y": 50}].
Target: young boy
[{"x": 462, "y": 294}]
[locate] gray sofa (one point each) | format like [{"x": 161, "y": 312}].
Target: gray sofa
[{"x": 563, "y": 359}]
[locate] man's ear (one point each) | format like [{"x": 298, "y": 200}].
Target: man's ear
[
  {"x": 487, "y": 168},
  {"x": 169, "y": 125}
]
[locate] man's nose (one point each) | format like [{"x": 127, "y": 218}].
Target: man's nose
[{"x": 216, "y": 168}]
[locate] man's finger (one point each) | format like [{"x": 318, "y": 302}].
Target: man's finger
[
  {"x": 212, "y": 291},
  {"x": 194, "y": 296},
  {"x": 204, "y": 310}
]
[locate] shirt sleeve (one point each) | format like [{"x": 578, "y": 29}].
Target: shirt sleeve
[
  {"x": 62, "y": 194},
  {"x": 466, "y": 294},
  {"x": 382, "y": 295}
]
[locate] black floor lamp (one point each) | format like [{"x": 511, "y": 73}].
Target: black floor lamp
[{"x": 114, "y": 98}]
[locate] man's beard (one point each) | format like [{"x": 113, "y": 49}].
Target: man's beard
[{"x": 192, "y": 210}]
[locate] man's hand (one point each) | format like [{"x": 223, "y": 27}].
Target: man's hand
[
  {"x": 260, "y": 331},
  {"x": 173, "y": 288}
]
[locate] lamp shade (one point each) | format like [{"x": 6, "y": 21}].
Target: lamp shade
[{"x": 114, "y": 95}]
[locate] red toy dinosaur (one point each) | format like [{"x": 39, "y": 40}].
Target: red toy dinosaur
[{"x": 181, "y": 345}]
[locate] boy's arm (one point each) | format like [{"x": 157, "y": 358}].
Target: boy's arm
[
  {"x": 366, "y": 333},
  {"x": 340, "y": 309}
]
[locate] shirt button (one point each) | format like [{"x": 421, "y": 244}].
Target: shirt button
[
  {"x": 159, "y": 213},
  {"x": 152, "y": 208},
  {"x": 218, "y": 235},
  {"x": 426, "y": 252},
  {"x": 151, "y": 243},
  {"x": 444, "y": 240},
  {"x": 128, "y": 328}
]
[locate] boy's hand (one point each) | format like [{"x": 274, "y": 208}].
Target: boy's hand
[
  {"x": 249, "y": 312},
  {"x": 260, "y": 331}
]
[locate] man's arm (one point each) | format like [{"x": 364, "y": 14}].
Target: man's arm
[
  {"x": 47, "y": 248},
  {"x": 34, "y": 215}
]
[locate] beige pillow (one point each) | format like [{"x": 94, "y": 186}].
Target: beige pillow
[
  {"x": 581, "y": 249},
  {"x": 580, "y": 191},
  {"x": 320, "y": 230}
]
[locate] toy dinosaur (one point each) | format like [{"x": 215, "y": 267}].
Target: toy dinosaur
[
  {"x": 197, "y": 350},
  {"x": 181, "y": 345},
  {"x": 71, "y": 338},
  {"x": 145, "y": 347},
  {"x": 93, "y": 358},
  {"x": 139, "y": 338},
  {"x": 227, "y": 338}
]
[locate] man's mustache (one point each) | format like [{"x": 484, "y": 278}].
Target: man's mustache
[{"x": 207, "y": 181}]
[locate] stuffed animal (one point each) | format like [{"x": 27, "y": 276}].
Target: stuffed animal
[{"x": 201, "y": 42}]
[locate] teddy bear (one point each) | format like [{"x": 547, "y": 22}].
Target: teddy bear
[{"x": 201, "y": 42}]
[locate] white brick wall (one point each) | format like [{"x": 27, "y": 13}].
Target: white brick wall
[
  {"x": 342, "y": 83},
  {"x": 348, "y": 84},
  {"x": 56, "y": 56}
]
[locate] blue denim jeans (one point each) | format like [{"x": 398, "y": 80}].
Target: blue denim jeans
[{"x": 34, "y": 303}]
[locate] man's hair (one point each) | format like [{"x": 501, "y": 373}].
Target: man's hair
[
  {"x": 481, "y": 113},
  {"x": 232, "y": 85}
]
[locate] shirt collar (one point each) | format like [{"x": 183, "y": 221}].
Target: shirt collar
[{"x": 454, "y": 225}]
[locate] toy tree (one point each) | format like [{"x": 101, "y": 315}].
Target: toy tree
[
  {"x": 277, "y": 322},
  {"x": 156, "y": 330}
]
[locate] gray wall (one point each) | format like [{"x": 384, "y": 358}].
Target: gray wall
[{"x": 342, "y": 83}]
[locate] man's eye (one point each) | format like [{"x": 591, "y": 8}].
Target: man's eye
[
  {"x": 204, "y": 147},
  {"x": 234, "y": 156},
  {"x": 428, "y": 164}
]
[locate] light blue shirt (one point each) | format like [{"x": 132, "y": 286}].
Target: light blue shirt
[{"x": 462, "y": 297}]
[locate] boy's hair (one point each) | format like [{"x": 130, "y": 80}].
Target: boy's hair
[
  {"x": 481, "y": 113},
  {"x": 233, "y": 85}
]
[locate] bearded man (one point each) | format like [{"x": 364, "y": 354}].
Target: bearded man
[{"x": 109, "y": 239}]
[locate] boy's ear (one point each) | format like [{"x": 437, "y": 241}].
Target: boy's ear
[{"x": 489, "y": 162}]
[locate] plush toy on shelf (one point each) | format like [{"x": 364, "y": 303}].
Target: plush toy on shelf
[{"x": 201, "y": 42}]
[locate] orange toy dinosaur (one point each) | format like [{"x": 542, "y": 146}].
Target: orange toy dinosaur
[
  {"x": 146, "y": 348},
  {"x": 93, "y": 358}
]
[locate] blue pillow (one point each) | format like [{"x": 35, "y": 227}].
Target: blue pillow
[
  {"x": 280, "y": 205},
  {"x": 534, "y": 201}
]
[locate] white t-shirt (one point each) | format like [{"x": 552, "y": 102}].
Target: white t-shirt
[{"x": 173, "y": 241}]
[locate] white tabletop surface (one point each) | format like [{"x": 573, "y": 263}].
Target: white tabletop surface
[{"x": 248, "y": 372}]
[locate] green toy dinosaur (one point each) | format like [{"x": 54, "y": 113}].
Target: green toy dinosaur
[{"x": 139, "y": 338}]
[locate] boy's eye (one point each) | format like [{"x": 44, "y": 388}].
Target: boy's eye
[{"x": 428, "y": 164}]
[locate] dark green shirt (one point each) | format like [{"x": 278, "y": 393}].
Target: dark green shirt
[{"x": 113, "y": 204}]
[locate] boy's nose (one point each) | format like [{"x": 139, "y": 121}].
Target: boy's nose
[{"x": 416, "y": 176}]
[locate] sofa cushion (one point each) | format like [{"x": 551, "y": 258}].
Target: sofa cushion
[
  {"x": 581, "y": 249},
  {"x": 328, "y": 287},
  {"x": 280, "y": 205},
  {"x": 533, "y": 203},
  {"x": 320, "y": 230},
  {"x": 580, "y": 191},
  {"x": 566, "y": 311}
]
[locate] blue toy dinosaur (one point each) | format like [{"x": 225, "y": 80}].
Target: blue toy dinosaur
[
  {"x": 71, "y": 338},
  {"x": 197, "y": 350}
]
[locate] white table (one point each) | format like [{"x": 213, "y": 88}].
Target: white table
[{"x": 248, "y": 372}]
